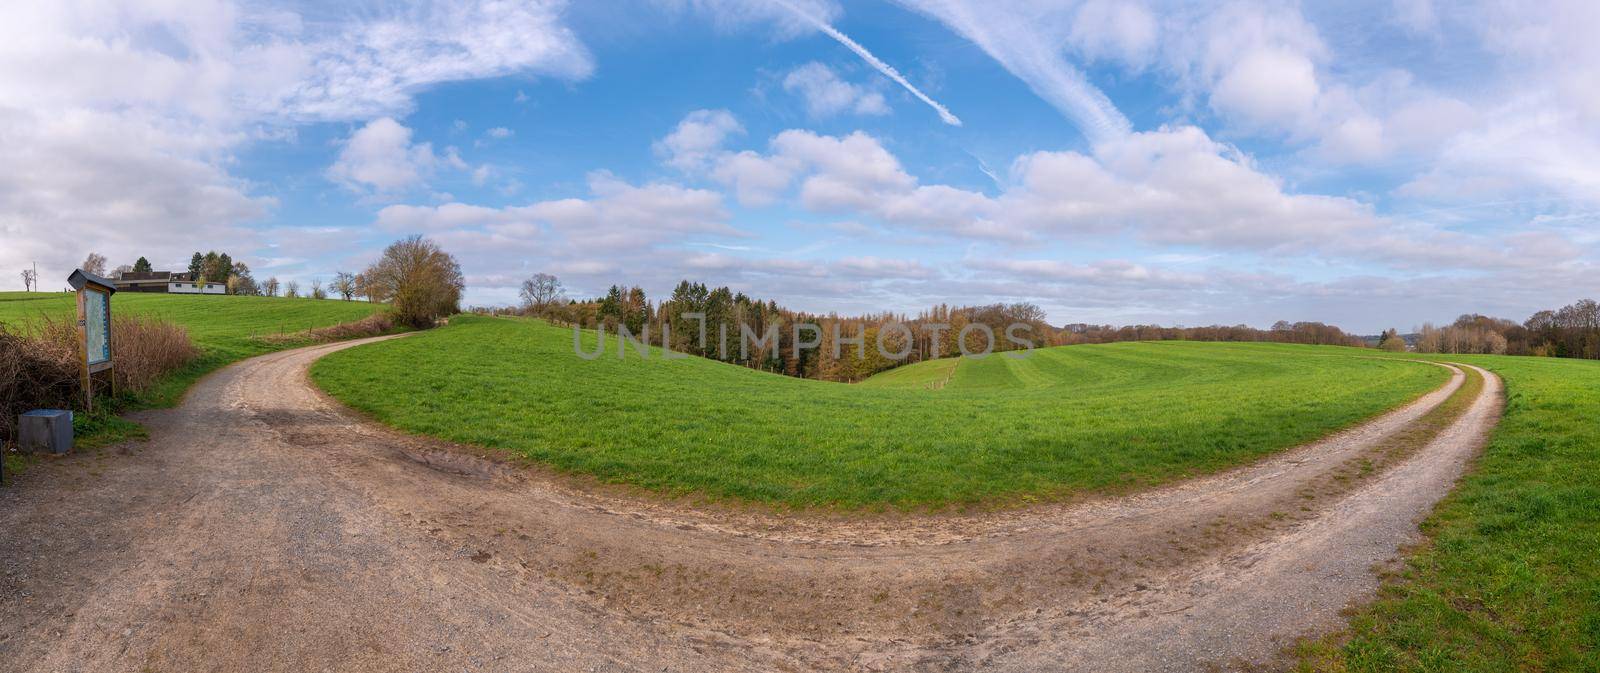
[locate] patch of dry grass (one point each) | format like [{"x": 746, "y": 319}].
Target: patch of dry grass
[{"x": 374, "y": 325}]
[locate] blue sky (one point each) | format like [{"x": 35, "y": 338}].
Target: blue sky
[{"x": 1371, "y": 164}]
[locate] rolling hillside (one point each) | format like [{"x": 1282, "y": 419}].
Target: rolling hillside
[{"x": 1062, "y": 421}]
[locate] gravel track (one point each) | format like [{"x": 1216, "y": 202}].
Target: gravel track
[{"x": 265, "y": 528}]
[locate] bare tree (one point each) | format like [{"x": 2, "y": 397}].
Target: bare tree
[
  {"x": 292, "y": 290},
  {"x": 539, "y": 292},
  {"x": 344, "y": 283},
  {"x": 95, "y": 263},
  {"x": 363, "y": 288},
  {"x": 270, "y": 288},
  {"x": 316, "y": 290},
  {"x": 30, "y": 279},
  {"x": 421, "y": 281},
  {"x": 241, "y": 282}
]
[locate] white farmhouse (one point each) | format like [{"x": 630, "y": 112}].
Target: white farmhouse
[{"x": 167, "y": 282}]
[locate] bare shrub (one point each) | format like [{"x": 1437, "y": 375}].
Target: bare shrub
[
  {"x": 33, "y": 374},
  {"x": 40, "y": 368},
  {"x": 373, "y": 325},
  {"x": 145, "y": 349}
]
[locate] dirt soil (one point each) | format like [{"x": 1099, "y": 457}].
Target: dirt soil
[{"x": 265, "y": 528}]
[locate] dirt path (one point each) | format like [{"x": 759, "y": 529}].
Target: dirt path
[{"x": 264, "y": 528}]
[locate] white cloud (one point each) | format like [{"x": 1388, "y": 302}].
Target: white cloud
[
  {"x": 852, "y": 172},
  {"x": 826, "y": 95},
  {"x": 698, "y": 138},
  {"x": 380, "y": 158},
  {"x": 1527, "y": 147},
  {"x": 374, "y": 66},
  {"x": 499, "y": 133},
  {"x": 1267, "y": 87},
  {"x": 757, "y": 180},
  {"x": 121, "y": 120},
  {"x": 122, "y": 184},
  {"x": 618, "y": 232},
  {"x": 409, "y": 219},
  {"x": 1171, "y": 186},
  {"x": 617, "y": 216},
  {"x": 1103, "y": 273},
  {"x": 1115, "y": 30},
  {"x": 1175, "y": 186}
]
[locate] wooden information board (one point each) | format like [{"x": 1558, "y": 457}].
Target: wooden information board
[{"x": 94, "y": 329}]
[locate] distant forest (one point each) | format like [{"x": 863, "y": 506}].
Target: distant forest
[
  {"x": 1573, "y": 331},
  {"x": 630, "y": 307}
]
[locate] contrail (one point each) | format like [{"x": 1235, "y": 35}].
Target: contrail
[
  {"x": 874, "y": 61},
  {"x": 1022, "y": 48}
]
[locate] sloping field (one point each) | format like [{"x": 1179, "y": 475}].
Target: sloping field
[{"x": 1063, "y": 421}]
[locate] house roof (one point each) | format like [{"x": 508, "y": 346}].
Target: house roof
[{"x": 130, "y": 276}]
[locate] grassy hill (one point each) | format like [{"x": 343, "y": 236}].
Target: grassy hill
[{"x": 1062, "y": 421}]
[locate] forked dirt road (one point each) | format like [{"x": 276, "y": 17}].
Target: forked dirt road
[{"x": 263, "y": 528}]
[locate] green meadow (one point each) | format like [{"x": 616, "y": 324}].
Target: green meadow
[{"x": 995, "y": 430}]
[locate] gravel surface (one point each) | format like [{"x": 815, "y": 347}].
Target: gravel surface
[{"x": 265, "y": 528}]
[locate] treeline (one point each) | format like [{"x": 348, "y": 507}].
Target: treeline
[
  {"x": 728, "y": 326},
  {"x": 1572, "y": 331},
  {"x": 720, "y": 324},
  {"x": 1312, "y": 333}
]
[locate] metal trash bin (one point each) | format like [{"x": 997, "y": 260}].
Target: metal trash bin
[{"x": 45, "y": 430}]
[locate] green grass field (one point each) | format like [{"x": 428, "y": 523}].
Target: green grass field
[
  {"x": 225, "y": 328},
  {"x": 223, "y": 324},
  {"x": 1060, "y": 422},
  {"x": 1510, "y": 579}
]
